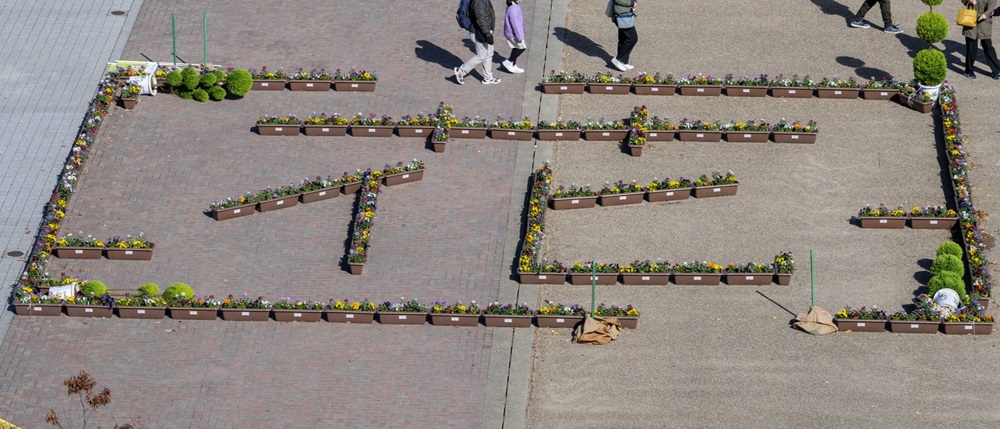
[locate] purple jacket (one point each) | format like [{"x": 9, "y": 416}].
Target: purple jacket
[{"x": 513, "y": 23}]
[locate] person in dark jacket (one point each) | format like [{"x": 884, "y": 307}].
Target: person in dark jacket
[
  {"x": 624, "y": 19},
  {"x": 983, "y": 33},
  {"x": 483, "y": 20}
]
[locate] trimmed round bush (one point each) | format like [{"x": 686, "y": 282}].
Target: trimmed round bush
[
  {"x": 151, "y": 289},
  {"x": 93, "y": 288},
  {"x": 176, "y": 290},
  {"x": 200, "y": 95},
  {"x": 217, "y": 93},
  {"x": 184, "y": 94},
  {"x": 239, "y": 82},
  {"x": 932, "y": 27},
  {"x": 208, "y": 79},
  {"x": 932, "y": 3},
  {"x": 930, "y": 67},
  {"x": 175, "y": 78},
  {"x": 191, "y": 78},
  {"x": 951, "y": 248},
  {"x": 949, "y": 263},
  {"x": 219, "y": 75},
  {"x": 946, "y": 280}
]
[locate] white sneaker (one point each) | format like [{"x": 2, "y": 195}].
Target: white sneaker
[
  {"x": 518, "y": 69},
  {"x": 618, "y": 64},
  {"x": 458, "y": 77},
  {"x": 509, "y": 66},
  {"x": 491, "y": 81},
  {"x": 629, "y": 66}
]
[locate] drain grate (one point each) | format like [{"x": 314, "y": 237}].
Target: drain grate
[
  {"x": 118, "y": 12},
  {"x": 15, "y": 253}
]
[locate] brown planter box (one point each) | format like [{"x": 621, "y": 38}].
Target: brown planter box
[
  {"x": 309, "y": 85},
  {"x": 790, "y": 137},
  {"x": 268, "y": 85},
  {"x": 278, "y": 130},
  {"x": 402, "y": 318},
  {"x": 621, "y": 199},
  {"x": 699, "y": 136},
  {"x": 792, "y": 92},
  {"x": 879, "y": 94},
  {"x": 129, "y": 254},
  {"x": 293, "y": 315},
  {"x": 190, "y": 313},
  {"x": 913, "y": 327},
  {"x": 883, "y": 222},
  {"x": 355, "y": 268},
  {"x": 933, "y": 222},
  {"x": 837, "y": 92},
  {"x": 350, "y": 188},
  {"x": 129, "y": 103},
  {"x": 28, "y": 309},
  {"x": 609, "y": 88},
  {"x": 78, "y": 252},
  {"x": 277, "y": 203},
  {"x": 605, "y": 135},
  {"x": 715, "y": 191},
  {"x": 697, "y": 278},
  {"x": 659, "y": 135},
  {"x": 784, "y": 279},
  {"x": 442, "y": 319},
  {"x": 706, "y": 90},
  {"x": 400, "y": 178},
  {"x": 354, "y": 85},
  {"x": 643, "y": 89},
  {"x": 541, "y": 278},
  {"x": 659, "y": 279},
  {"x": 860, "y": 325},
  {"x": 233, "y": 212},
  {"x": 635, "y": 150},
  {"x": 246, "y": 314},
  {"x": 325, "y": 130},
  {"x": 467, "y": 133},
  {"x": 961, "y": 328},
  {"x": 563, "y": 88},
  {"x": 319, "y": 195},
  {"x": 573, "y": 203},
  {"x": 983, "y": 301},
  {"x": 506, "y": 134},
  {"x": 746, "y": 91},
  {"x": 742, "y": 279},
  {"x": 414, "y": 131},
  {"x": 920, "y": 106},
  {"x": 438, "y": 147},
  {"x": 142, "y": 312},
  {"x": 88, "y": 311},
  {"x": 340, "y": 316},
  {"x": 599, "y": 278},
  {"x": 557, "y": 321},
  {"x": 747, "y": 136},
  {"x": 507, "y": 320},
  {"x": 550, "y": 135},
  {"x": 372, "y": 130},
  {"x": 629, "y": 322}
]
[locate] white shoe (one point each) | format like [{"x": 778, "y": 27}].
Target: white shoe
[
  {"x": 491, "y": 81},
  {"x": 509, "y": 66},
  {"x": 629, "y": 66},
  {"x": 618, "y": 64},
  {"x": 518, "y": 69},
  {"x": 458, "y": 77}
]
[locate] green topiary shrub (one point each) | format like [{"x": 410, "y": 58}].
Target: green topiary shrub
[
  {"x": 93, "y": 288},
  {"x": 951, "y": 248},
  {"x": 949, "y": 263},
  {"x": 946, "y": 280},
  {"x": 174, "y": 78},
  {"x": 176, "y": 290},
  {"x": 184, "y": 93},
  {"x": 200, "y": 95},
  {"x": 930, "y": 67},
  {"x": 208, "y": 79},
  {"x": 932, "y": 3},
  {"x": 191, "y": 78},
  {"x": 217, "y": 93},
  {"x": 151, "y": 289},
  {"x": 238, "y": 82},
  {"x": 932, "y": 27},
  {"x": 219, "y": 75}
]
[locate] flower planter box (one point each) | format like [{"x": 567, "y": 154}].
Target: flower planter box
[
  {"x": 747, "y": 136},
  {"x": 509, "y": 134},
  {"x": 277, "y": 203},
  {"x": 78, "y": 252},
  {"x": 444, "y": 319},
  {"x": 507, "y": 320},
  {"x": 746, "y": 91},
  {"x": 541, "y": 278},
  {"x": 933, "y": 222},
  {"x": 551, "y": 135},
  {"x": 784, "y": 279},
  {"x": 233, "y": 212},
  {"x": 402, "y": 318},
  {"x": 414, "y": 131},
  {"x": 743, "y": 279},
  {"x": 983, "y": 301},
  {"x": 879, "y": 94},
  {"x": 88, "y": 311},
  {"x": 645, "y": 89},
  {"x": 142, "y": 312},
  {"x": 438, "y": 147},
  {"x": 309, "y": 85},
  {"x": 599, "y": 278},
  {"x": 319, "y": 195},
  {"x": 629, "y": 322},
  {"x": 792, "y": 92},
  {"x": 129, "y": 103},
  {"x": 557, "y": 321},
  {"x": 970, "y": 328},
  {"x": 697, "y": 278},
  {"x": 350, "y": 188},
  {"x": 293, "y": 315},
  {"x": 837, "y": 92},
  {"x": 659, "y": 279},
  {"x": 341, "y": 316},
  {"x": 467, "y": 133},
  {"x": 355, "y": 268},
  {"x": 246, "y": 314},
  {"x": 573, "y": 203},
  {"x": 609, "y": 88},
  {"x": 659, "y": 135},
  {"x": 400, "y": 178},
  {"x": 268, "y": 85},
  {"x": 635, "y": 149},
  {"x": 563, "y": 88},
  {"x": 920, "y": 106},
  {"x": 354, "y": 85},
  {"x": 699, "y": 136},
  {"x": 621, "y": 199},
  {"x": 883, "y": 222},
  {"x": 715, "y": 191},
  {"x": 860, "y": 325},
  {"x": 791, "y": 137},
  {"x": 325, "y": 130},
  {"x": 913, "y": 327},
  {"x": 188, "y": 313},
  {"x": 278, "y": 130},
  {"x": 706, "y": 90},
  {"x": 129, "y": 254},
  {"x": 28, "y": 309},
  {"x": 372, "y": 130},
  {"x": 605, "y": 135}
]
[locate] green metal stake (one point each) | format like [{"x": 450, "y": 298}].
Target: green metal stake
[
  {"x": 593, "y": 286},
  {"x": 173, "y": 34},
  {"x": 204, "y": 34},
  {"x": 812, "y": 279}
]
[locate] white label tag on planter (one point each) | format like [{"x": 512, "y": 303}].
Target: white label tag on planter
[
  {"x": 78, "y": 251},
  {"x": 511, "y": 133},
  {"x": 645, "y": 278},
  {"x": 622, "y": 198},
  {"x": 193, "y": 312},
  {"x": 296, "y": 314},
  {"x": 699, "y": 135},
  {"x": 861, "y": 324},
  {"x": 508, "y": 320},
  {"x": 128, "y": 252},
  {"x": 700, "y": 89},
  {"x": 372, "y": 130},
  {"x": 914, "y": 326},
  {"x": 654, "y": 89},
  {"x": 558, "y": 320},
  {"x": 354, "y": 85},
  {"x": 348, "y": 316},
  {"x": 563, "y": 88},
  {"x": 277, "y": 128},
  {"x": 605, "y": 134},
  {"x": 558, "y": 134},
  {"x": 465, "y": 131},
  {"x": 749, "y": 277},
  {"x": 933, "y": 222},
  {"x": 418, "y": 131},
  {"x": 322, "y": 193},
  {"x": 454, "y": 319},
  {"x": 716, "y": 189},
  {"x": 570, "y": 201},
  {"x": 280, "y": 202},
  {"x": 245, "y": 313},
  {"x": 406, "y": 176},
  {"x": 968, "y": 327},
  {"x": 837, "y": 92},
  {"x": 652, "y": 134},
  {"x": 309, "y": 85},
  {"x": 884, "y": 94},
  {"x": 402, "y": 317},
  {"x": 325, "y": 130},
  {"x": 883, "y": 221},
  {"x": 263, "y": 84},
  {"x": 608, "y": 88},
  {"x": 746, "y": 90},
  {"x": 543, "y": 277},
  {"x": 795, "y": 136},
  {"x": 88, "y": 310},
  {"x": 696, "y": 278},
  {"x": 140, "y": 312},
  {"x": 670, "y": 194},
  {"x": 791, "y": 91},
  {"x": 237, "y": 211},
  {"x": 746, "y": 136}
]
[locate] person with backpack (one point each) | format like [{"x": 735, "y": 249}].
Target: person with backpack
[
  {"x": 513, "y": 30},
  {"x": 623, "y": 15},
  {"x": 480, "y": 21}
]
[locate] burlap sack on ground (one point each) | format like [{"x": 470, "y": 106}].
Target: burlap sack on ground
[
  {"x": 598, "y": 330},
  {"x": 817, "y": 322}
]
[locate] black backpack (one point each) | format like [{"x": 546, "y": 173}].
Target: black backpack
[{"x": 462, "y": 15}]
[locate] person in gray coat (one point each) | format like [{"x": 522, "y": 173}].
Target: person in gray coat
[
  {"x": 983, "y": 32},
  {"x": 483, "y": 20}
]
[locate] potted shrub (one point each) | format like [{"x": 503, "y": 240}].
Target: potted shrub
[
  {"x": 932, "y": 217},
  {"x": 245, "y": 308},
  {"x": 355, "y": 80},
  {"x": 864, "y": 319},
  {"x": 668, "y": 190},
  {"x": 238, "y": 82},
  {"x": 697, "y": 273},
  {"x": 323, "y": 125},
  {"x": 269, "y": 199},
  {"x": 700, "y": 85},
  {"x": 882, "y": 89},
  {"x": 372, "y": 125},
  {"x": 403, "y": 172},
  {"x": 278, "y": 125},
  {"x": 130, "y": 248},
  {"x": 646, "y": 272},
  {"x": 749, "y": 131},
  {"x": 573, "y": 197},
  {"x": 130, "y": 96},
  {"x": 749, "y": 274},
  {"x": 718, "y": 185},
  {"x": 313, "y": 80},
  {"x": 233, "y": 207},
  {"x": 78, "y": 247},
  {"x": 559, "y": 315},
  {"x": 318, "y": 189},
  {"x": 930, "y": 67},
  {"x": 601, "y": 273},
  {"x": 558, "y": 130},
  {"x": 512, "y": 129},
  {"x": 268, "y": 80},
  {"x": 286, "y": 310},
  {"x": 141, "y": 306},
  {"x": 456, "y": 314},
  {"x": 604, "y": 130},
  {"x": 564, "y": 83},
  {"x": 655, "y": 84},
  {"x": 507, "y": 315},
  {"x": 784, "y": 266},
  {"x": 746, "y": 86},
  {"x": 786, "y": 131},
  {"x": 347, "y": 311},
  {"x": 608, "y": 83},
  {"x": 628, "y": 316},
  {"x": 403, "y": 312},
  {"x": 699, "y": 131},
  {"x": 416, "y": 126},
  {"x": 882, "y": 217},
  {"x": 621, "y": 193},
  {"x": 836, "y": 87},
  {"x": 792, "y": 87}
]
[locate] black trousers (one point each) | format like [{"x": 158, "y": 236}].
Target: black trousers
[
  {"x": 971, "y": 51},
  {"x": 627, "y": 38},
  {"x": 883, "y": 4}
]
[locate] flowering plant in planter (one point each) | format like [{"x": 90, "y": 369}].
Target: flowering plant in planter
[
  {"x": 750, "y": 268},
  {"x": 932, "y": 211},
  {"x": 782, "y": 81},
  {"x": 563, "y": 77},
  {"x": 699, "y": 125},
  {"x": 881, "y": 211},
  {"x": 697, "y": 267},
  {"x": 442, "y": 307},
  {"x": 666, "y": 183},
  {"x": 864, "y": 313},
  {"x": 639, "y": 114},
  {"x": 278, "y": 120},
  {"x": 439, "y": 135},
  {"x": 125, "y": 72},
  {"x": 636, "y": 135},
  {"x": 323, "y": 119},
  {"x": 573, "y": 191},
  {"x": 784, "y": 263},
  {"x": 131, "y": 91},
  {"x": 353, "y": 177},
  {"x": 531, "y": 259},
  {"x": 265, "y": 74},
  {"x": 883, "y": 83},
  {"x": 31, "y": 298},
  {"x": 558, "y": 125},
  {"x": 355, "y": 74},
  {"x": 420, "y": 120},
  {"x": 71, "y": 240},
  {"x": 288, "y": 304},
  {"x": 348, "y": 305},
  {"x": 620, "y": 187},
  {"x": 655, "y": 79},
  {"x": 699, "y": 79},
  {"x": 468, "y": 122},
  {"x": 526, "y": 265},
  {"x": 80, "y": 299},
  {"x": 408, "y": 306},
  {"x": 513, "y": 124},
  {"x": 920, "y": 314},
  {"x": 244, "y": 302},
  {"x": 403, "y": 167},
  {"x": 588, "y": 267},
  {"x": 508, "y": 309},
  {"x": 313, "y": 74},
  {"x": 272, "y": 193},
  {"x": 309, "y": 185},
  {"x": 647, "y": 266},
  {"x": 608, "y": 77},
  {"x": 615, "y": 310},
  {"x": 561, "y": 309},
  {"x": 194, "y": 302},
  {"x": 249, "y": 198},
  {"x": 796, "y": 126},
  {"x": 717, "y": 179},
  {"x": 603, "y": 124},
  {"x": 372, "y": 120},
  {"x": 140, "y": 301},
  {"x": 731, "y": 80},
  {"x": 970, "y": 313},
  {"x": 129, "y": 242},
  {"x": 364, "y": 219},
  {"x": 749, "y": 125},
  {"x": 836, "y": 82}
]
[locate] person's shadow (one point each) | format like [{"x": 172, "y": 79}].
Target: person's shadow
[
  {"x": 581, "y": 43},
  {"x": 432, "y": 53}
]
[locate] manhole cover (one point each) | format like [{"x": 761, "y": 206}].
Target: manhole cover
[
  {"x": 118, "y": 12},
  {"x": 15, "y": 253}
]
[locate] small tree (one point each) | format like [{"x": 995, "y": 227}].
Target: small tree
[
  {"x": 82, "y": 386},
  {"x": 930, "y": 65}
]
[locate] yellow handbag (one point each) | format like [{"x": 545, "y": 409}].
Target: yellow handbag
[{"x": 966, "y": 17}]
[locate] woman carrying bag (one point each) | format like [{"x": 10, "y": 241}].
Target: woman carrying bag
[
  {"x": 983, "y": 32},
  {"x": 623, "y": 15}
]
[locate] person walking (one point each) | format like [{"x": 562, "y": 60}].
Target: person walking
[
  {"x": 483, "y": 20},
  {"x": 983, "y": 32},
  {"x": 513, "y": 30},
  {"x": 859, "y": 18},
  {"x": 624, "y": 19}
]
